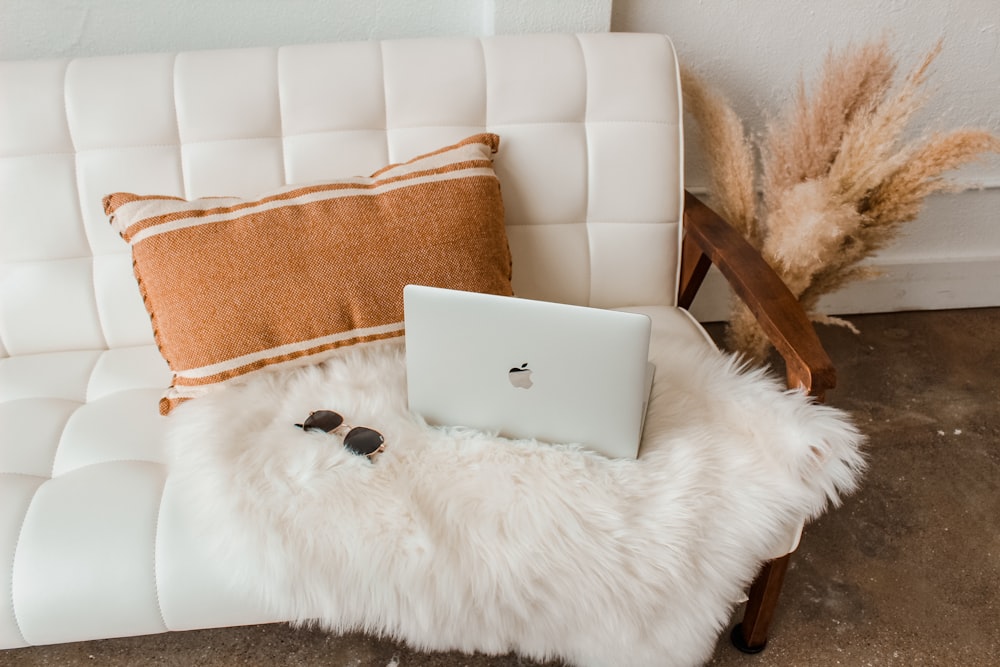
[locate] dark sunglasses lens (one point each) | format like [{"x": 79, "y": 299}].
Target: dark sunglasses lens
[
  {"x": 363, "y": 441},
  {"x": 324, "y": 420}
]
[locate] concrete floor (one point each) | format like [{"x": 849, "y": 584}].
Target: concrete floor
[{"x": 907, "y": 572}]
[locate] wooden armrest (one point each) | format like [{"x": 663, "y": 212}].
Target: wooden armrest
[{"x": 709, "y": 239}]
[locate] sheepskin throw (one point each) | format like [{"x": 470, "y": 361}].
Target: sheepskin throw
[{"x": 459, "y": 540}]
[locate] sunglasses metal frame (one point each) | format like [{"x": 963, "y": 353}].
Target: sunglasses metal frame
[{"x": 338, "y": 429}]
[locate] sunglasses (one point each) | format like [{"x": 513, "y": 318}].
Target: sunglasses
[{"x": 360, "y": 440}]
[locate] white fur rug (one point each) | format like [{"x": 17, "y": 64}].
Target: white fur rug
[{"x": 457, "y": 540}]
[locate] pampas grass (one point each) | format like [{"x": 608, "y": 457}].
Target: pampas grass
[
  {"x": 838, "y": 179},
  {"x": 731, "y": 163}
]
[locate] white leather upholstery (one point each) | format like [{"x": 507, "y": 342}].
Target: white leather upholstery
[{"x": 91, "y": 543}]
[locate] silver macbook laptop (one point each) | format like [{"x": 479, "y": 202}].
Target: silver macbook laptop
[{"x": 528, "y": 369}]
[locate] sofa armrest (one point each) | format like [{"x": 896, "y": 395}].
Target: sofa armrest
[{"x": 709, "y": 239}]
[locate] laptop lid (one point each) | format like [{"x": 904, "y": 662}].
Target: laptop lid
[{"x": 528, "y": 369}]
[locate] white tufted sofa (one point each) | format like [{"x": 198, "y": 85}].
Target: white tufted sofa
[{"x": 91, "y": 541}]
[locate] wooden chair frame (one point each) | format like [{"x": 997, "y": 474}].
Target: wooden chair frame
[{"x": 708, "y": 239}]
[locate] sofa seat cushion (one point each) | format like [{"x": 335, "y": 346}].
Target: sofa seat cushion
[{"x": 93, "y": 543}]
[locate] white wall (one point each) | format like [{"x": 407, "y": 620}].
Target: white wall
[
  {"x": 752, "y": 49},
  {"x": 754, "y": 52},
  {"x": 67, "y": 28}
]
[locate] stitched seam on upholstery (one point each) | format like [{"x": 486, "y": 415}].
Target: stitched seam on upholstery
[
  {"x": 186, "y": 143},
  {"x": 88, "y": 391},
  {"x": 177, "y": 124},
  {"x": 314, "y": 133},
  {"x": 97, "y": 308},
  {"x": 156, "y": 540},
  {"x": 40, "y": 260},
  {"x": 12, "y": 473},
  {"x": 595, "y": 222},
  {"x": 17, "y": 156},
  {"x": 385, "y": 102},
  {"x": 281, "y": 114},
  {"x": 75, "y": 153},
  {"x": 586, "y": 147},
  {"x": 69, "y": 128},
  {"x": 13, "y": 562},
  {"x": 107, "y": 461},
  {"x": 588, "y": 122},
  {"x": 532, "y": 123},
  {"x": 80, "y": 202},
  {"x": 676, "y": 81},
  {"x": 486, "y": 85},
  {"x": 321, "y": 132},
  {"x": 62, "y": 433},
  {"x": 449, "y": 125}
]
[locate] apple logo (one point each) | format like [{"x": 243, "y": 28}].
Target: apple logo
[{"x": 520, "y": 377}]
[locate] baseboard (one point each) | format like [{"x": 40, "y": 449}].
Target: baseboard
[
  {"x": 904, "y": 284},
  {"x": 949, "y": 257}
]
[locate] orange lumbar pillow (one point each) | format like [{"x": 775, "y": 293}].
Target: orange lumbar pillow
[{"x": 235, "y": 286}]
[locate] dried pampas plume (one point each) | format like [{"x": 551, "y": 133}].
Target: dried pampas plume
[{"x": 837, "y": 180}]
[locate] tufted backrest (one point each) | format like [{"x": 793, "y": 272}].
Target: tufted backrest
[{"x": 589, "y": 162}]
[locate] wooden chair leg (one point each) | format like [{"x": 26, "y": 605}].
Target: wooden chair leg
[{"x": 750, "y": 636}]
